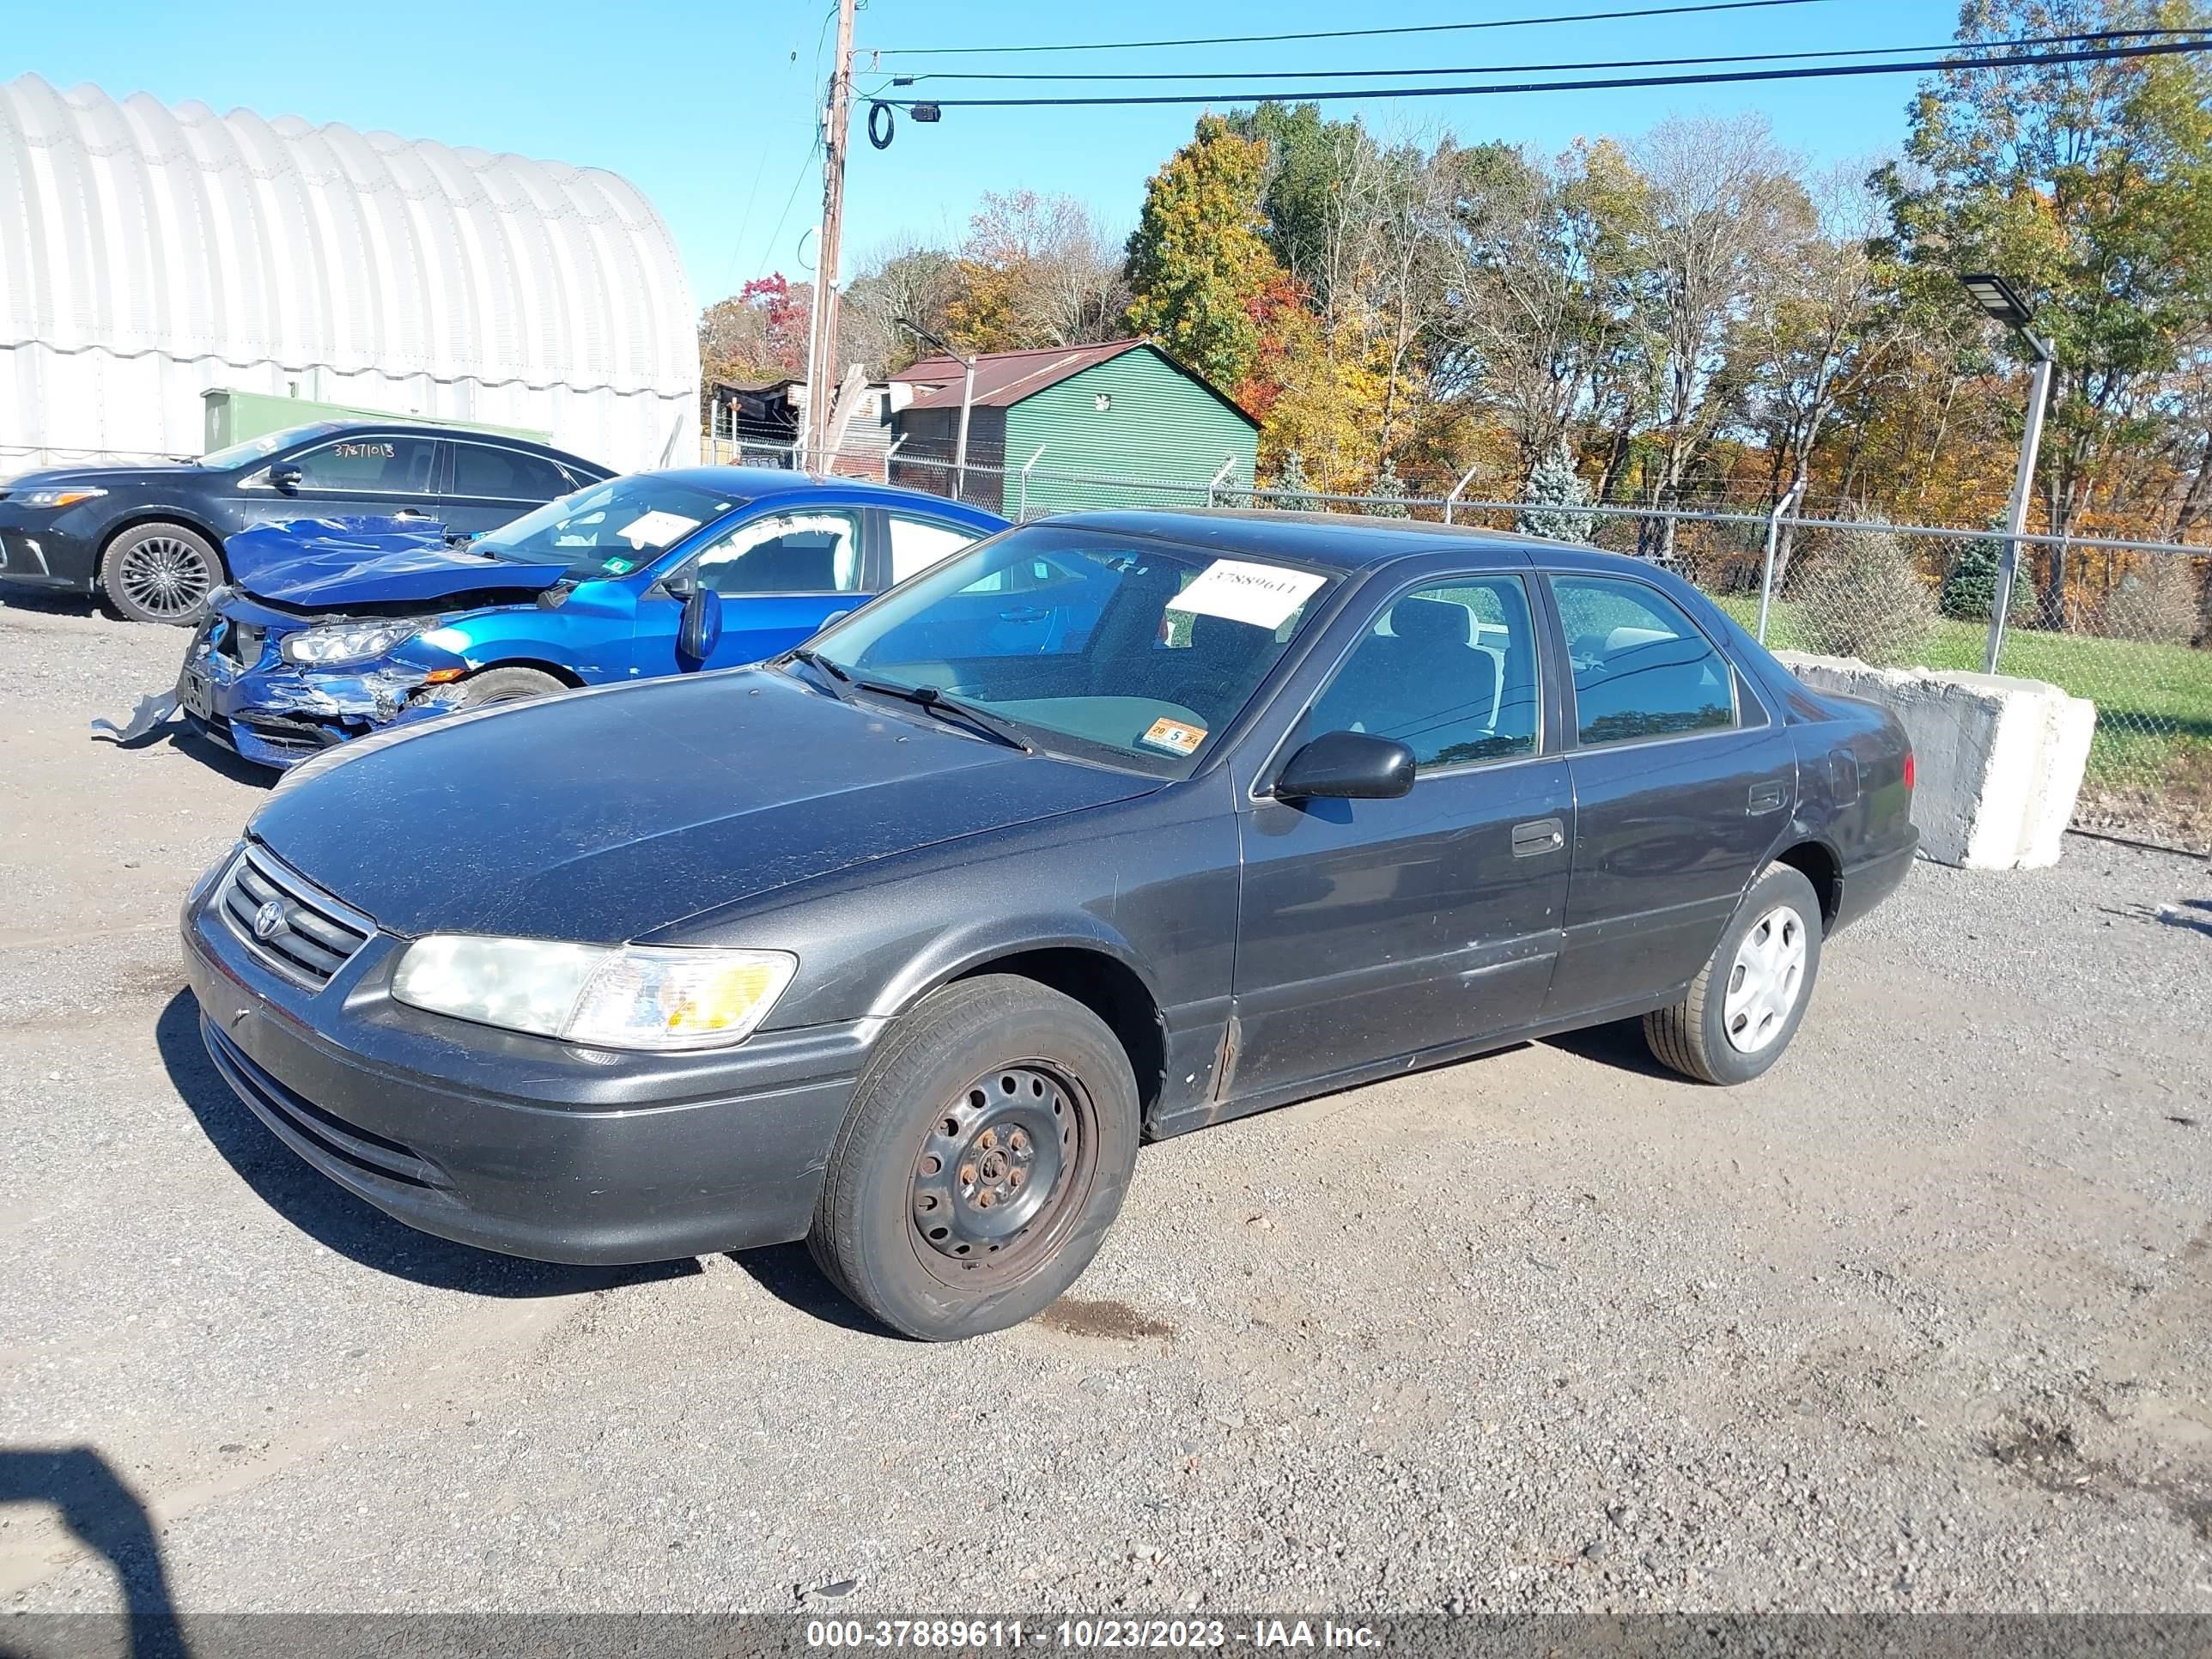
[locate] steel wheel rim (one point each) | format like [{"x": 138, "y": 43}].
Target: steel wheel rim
[
  {"x": 996, "y": 1179},
  {"x": 165, "y": 577},
  {"x": 1766, "y": 981}
]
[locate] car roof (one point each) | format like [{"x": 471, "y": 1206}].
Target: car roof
[
  {"x": 754, "y": 483},
  {"x": 1338, "y": 541}
]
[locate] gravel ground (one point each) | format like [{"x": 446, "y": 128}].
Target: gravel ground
[{"x": 1923, "y": 1320}]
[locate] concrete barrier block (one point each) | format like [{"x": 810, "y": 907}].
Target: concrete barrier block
[{"x": 1999, "y": 760}]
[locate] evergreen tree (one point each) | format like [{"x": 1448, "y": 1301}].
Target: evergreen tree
[
  {"x": 1969, "y": 593},
  {"x": 1297, "y": 495},
  {"x": 1392, "y": 491},
  {"x": 1555, "y": 488}
]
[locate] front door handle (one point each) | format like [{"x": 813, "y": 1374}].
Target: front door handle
[
  {"x": 1023, "y": 613},
  {"x": 1538, "y": 837},
  {"x": 1768, "y": 797},
  {"x": 410, "y": 513}
]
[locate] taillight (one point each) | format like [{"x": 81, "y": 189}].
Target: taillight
[{"x": 1909, "y": 772}]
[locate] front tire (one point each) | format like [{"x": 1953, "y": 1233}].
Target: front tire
[
  {"x": 160, "y": 573},
  {"x": 988, "y": 1148},
  {"x": 504, "y": 685},
  {"x": 1747, "y": 1001}
]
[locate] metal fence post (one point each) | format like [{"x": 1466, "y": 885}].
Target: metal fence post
[
  {"x": 1214, "y": 483},
  {"x": 1783, "y": 509},
  {"x": 1022, "y": 501},
  {"x": 897, "y": 444},
  {"x": 2030, "y": 439},
  {"x": 1466, "y": 478}
]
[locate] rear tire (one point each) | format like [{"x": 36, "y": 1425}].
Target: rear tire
[
  {"x": 1747, "y": 1001},
  {"x": 160, "y": 573},
  {"x": 988, "y": 1148},
  {"x": 503, "y": 685}
]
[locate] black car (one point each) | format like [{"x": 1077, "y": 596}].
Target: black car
[
  {"x": 151, "y": 536},
  {"x": 904, "y": 954}
]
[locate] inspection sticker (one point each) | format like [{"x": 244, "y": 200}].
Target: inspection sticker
[
  {"x": 1174, "y": 736},
  {"x": 1263, "y": 595},
  {"x": 656, "y": 528}
]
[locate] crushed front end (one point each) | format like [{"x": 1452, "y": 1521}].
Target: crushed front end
[{"x": 239, "y": 688}]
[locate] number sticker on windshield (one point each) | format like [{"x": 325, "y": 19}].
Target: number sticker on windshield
[
  {"x": 1261, "y": 595},
  {"x": 1177, "y": 737},
  {"x": 656, "y": 528}
]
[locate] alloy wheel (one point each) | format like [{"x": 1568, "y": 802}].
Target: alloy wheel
[{"x": 165, "y": 577}]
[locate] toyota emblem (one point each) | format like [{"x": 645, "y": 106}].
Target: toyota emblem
[{"x": 268, "y": 921}]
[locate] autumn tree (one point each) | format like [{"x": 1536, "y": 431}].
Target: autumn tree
[
  {"x": 2090, "y": 186},
  {"x": 1198, "y": 258},
  {"x": 1035, "y": 270},
  {"x": 757, "y": 333}
]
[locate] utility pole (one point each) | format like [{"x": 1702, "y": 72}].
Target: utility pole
[{"x": 822, "y": 375}]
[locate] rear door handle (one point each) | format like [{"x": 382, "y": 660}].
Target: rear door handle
[
  {"x": 1538, "y": 837},
  {"x": 1770, "y": 797}
]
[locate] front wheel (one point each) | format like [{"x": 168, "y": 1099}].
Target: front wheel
[
  {"x": 1749, "y": 998},
  {"x": 503, "y": 685},
  {"x": 160, "y": 573},
  {"x": 986, "y": 1151}
]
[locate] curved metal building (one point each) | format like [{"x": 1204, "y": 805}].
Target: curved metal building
[{"x": 149, "y": 254}]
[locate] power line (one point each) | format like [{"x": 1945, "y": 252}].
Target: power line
[
  {"x": 1383, "y": 93},
  {"x": 1351, "y": 34},
  {"x": 1545, "y": 69}
]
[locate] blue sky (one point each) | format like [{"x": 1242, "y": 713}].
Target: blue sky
[{"x": 709, "y": 109}]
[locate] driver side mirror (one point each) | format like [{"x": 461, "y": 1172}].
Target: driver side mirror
[
  {"x": 285, "y": 476},
  {"x": 700, "y": 630},
  {"x": 1347, "y": 766}
]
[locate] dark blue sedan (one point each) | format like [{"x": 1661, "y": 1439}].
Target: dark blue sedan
[
  {"x": 149, "y": 537},
  {"x": 328, "y": 632}
]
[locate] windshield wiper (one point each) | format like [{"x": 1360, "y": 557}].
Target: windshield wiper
[
  {"x": 814, "y": 660},
  {"x": 829, "y": 669},
  {"x": 944, "y": 707}
]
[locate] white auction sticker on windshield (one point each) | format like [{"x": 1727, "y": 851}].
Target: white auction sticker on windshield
[
  {"x": 1263, "y": 595},
  {"x": 656, "y": 528}
]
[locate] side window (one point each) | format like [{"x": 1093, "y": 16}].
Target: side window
[
  {"x": 785, "y": 553},
  {"x": 372, "y": 466},
  {"x": 505, "y": 474},
  {"x": 1642, "y": 668},
  {"x": 918, "y": 544},
  {"x": 1449, "y": 670}
]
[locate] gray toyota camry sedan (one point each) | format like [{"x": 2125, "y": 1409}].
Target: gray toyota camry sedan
[{"x": 1111, "y": 827}]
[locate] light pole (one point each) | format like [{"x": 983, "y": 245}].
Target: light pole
[
  {"x": 967, "y": 400},
  {"x": 2001, "y": 300}
]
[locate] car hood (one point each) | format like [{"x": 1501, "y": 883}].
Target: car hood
[
  {"x": 604, "y": 816},
  {"x": 329, "y": 564},
  {"x": 108, "y": 477}
]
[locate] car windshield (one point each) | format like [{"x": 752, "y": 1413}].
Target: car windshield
[
  {"x": 254, "y": 449},
  {"x": 610, "y": 529},
  {"x": 1115, "y": 649}
]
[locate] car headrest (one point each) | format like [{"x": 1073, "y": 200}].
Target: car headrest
[{"x": 1432, "y": 622}]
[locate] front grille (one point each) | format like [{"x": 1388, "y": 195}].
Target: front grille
[
  {"x": 287, "y": 922},
  {"x": 241, "y": 642},
  {"x": 326, "y": 1133}
]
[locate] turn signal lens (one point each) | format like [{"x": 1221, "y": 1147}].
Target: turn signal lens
[{"x": 1910, "y": 772}]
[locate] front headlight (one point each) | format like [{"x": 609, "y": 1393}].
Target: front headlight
[
  {"x": 345, "y": 642},
  {"x": 65, "y": 495},
  {"x": 632, "y": 996}
]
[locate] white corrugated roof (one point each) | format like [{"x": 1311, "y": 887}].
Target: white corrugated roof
[{"x": 134, "y": 228}]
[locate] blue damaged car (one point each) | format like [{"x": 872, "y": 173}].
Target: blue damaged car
[{"x": 331, "y": 629}]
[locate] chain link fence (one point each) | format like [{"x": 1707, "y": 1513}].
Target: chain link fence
[{"x": 2123, "y": 623}]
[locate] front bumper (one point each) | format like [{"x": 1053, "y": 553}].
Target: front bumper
[
  {"x": 515, "y": 1143},
  {"x": 38, "y": 549},
  {"x": 274, "y": 714}
]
